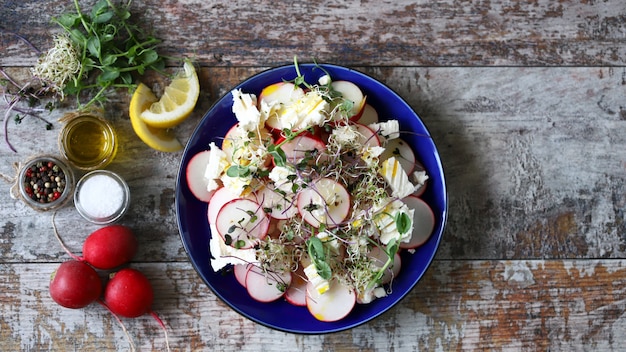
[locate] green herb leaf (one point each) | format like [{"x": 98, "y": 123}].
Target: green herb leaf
[
  {"x": 94, "y": 47},
  {"x": 238, "y": 171},
  {"x": 323, "y": 270},
  {"x": 279, "y": 156},
  {"x": 403, "y": 222}
]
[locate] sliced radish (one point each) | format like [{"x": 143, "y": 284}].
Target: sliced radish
[
  {"x": 326, "y": 201},
  {"x": 380, "y": 257},
  {"x": 278, "y": 205},
  {"x": 241, "y": 272},
  {"x": 281, "y": 93},
  {"x": 195, "y": 176},
  {"x": 333, "y": 304},
  {"x": 352, "y": 93},
  {"x": 402, "y": 151},
  {"x": 296, "y": 292},
  {"x": 220, "y": 197},
  {"x": 369, "y": 115},
  {"x": 423, "y": 222},
  {"x": 368, "y": 136},
  {"x": 241, "y": 223},
  {"x": 237, "y": 142},
  {"x": 303, "y": 146},
  {"x": 266, "y": 286}
]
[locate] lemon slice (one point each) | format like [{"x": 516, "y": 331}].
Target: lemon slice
[
  {"x": 177, "y": 102},
  {"x": 156, "y": 138}
]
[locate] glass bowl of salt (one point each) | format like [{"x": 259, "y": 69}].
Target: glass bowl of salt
[{"x": 101, "y": 197}]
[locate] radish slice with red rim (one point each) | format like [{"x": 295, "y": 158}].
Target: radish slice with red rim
[
  {"x": 221, "y": 196},
  {"x": 369, "y": 115},
  {"x": 423, "y": 222},
  {"x": 198, "y": 184},
  {"x": 333, "y": 304},
  {"x": 266, "y": 286},
  {"x": 278, "y": 205},
  {"x": 326, "y": 201},
  {"x": 402, "y": 151},
  {"x": 241, "y": 223},
  {"x": 296, "y": 292}
]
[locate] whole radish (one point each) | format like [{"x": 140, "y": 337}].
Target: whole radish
[
  {"x": 106, "y": 248},
  {"x": 129, "y": 294},
  {"x": 110, "y": 247},
  {"x": 75, "y": 285}
]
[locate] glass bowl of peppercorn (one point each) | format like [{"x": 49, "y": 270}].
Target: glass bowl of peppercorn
[{"x": 45, "y": 183}]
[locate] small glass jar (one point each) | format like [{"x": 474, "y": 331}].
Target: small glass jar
[
  {"x": 45, "y": 183},
  {"x": 101, "y": 197},
  {"x": 88, "y": 142}
]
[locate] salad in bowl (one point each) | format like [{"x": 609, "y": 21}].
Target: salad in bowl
[{"x": 316, "y": 200}]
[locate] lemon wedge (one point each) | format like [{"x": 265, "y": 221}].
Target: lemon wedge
[
  {"x": 156, "y": 138},
  {"x": 177, "y": 102}
]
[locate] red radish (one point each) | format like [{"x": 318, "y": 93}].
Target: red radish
[
  {"x": 282, "y": 206},
  {"x": 333, "y": 304},
  {"x": 129, "y": 294},
  {"x": 296, "y": 292},
  {"x": 423, "y": 222},
  {"x": 326, "y": 201},
  {"x": 75, "y": 285},
  {"x": 352, "y": 93},
  {"x": 241, "y": 223},
  {"x": 302, "y": 146},
  {"x": 369, "y": 115},
  {"x": 241, "y": 272},
  {"x": 380, "y": 257},
  {"x": 368, "y": 137},
  {"x": 220, "y": 197},
  {"x": 195, "y": 176},
  {"x": 106, "y": 248},
  {"x": 402, "y": 151},
  {"x": 110, "y": 247},
  {"x": 266, "y": 286}
]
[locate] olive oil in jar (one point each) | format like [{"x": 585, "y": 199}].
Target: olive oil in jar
[{"x": 88, "y": 142}]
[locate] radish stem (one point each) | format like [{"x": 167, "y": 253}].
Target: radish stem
[{"x": 56, "y": 234}]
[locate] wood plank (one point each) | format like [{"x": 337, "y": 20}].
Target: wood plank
[
  {"x": 371, "y": 33},
  {"x": 459, "y": 305},
  {"x": 534, "y": 160}
]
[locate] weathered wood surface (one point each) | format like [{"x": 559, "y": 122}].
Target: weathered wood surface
[
  {"x": 365, "y": 32},
  {"x": 526, "y": 102},
  {"x": 564, "y": 305}
]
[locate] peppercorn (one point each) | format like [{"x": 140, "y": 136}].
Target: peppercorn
[{"x": 44, "y": 182}]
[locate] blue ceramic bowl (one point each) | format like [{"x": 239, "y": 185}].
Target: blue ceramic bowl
[{"x": 281, "y": 315}]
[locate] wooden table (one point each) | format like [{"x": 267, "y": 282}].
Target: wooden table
[{"x": 526, "y": 101}]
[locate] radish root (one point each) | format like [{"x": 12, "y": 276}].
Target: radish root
[
  {"x": 56, "y": 234},
  {"x": 156, "y": 317},
  {"x": 130, "y": 340}
]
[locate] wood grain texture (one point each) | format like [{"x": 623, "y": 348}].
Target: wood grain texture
[
  {"x": 537, "y": 305},
  {"x": 366, "y": 32}
]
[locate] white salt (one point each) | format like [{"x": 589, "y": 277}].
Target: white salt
[{"x": 101, "y": 196}]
